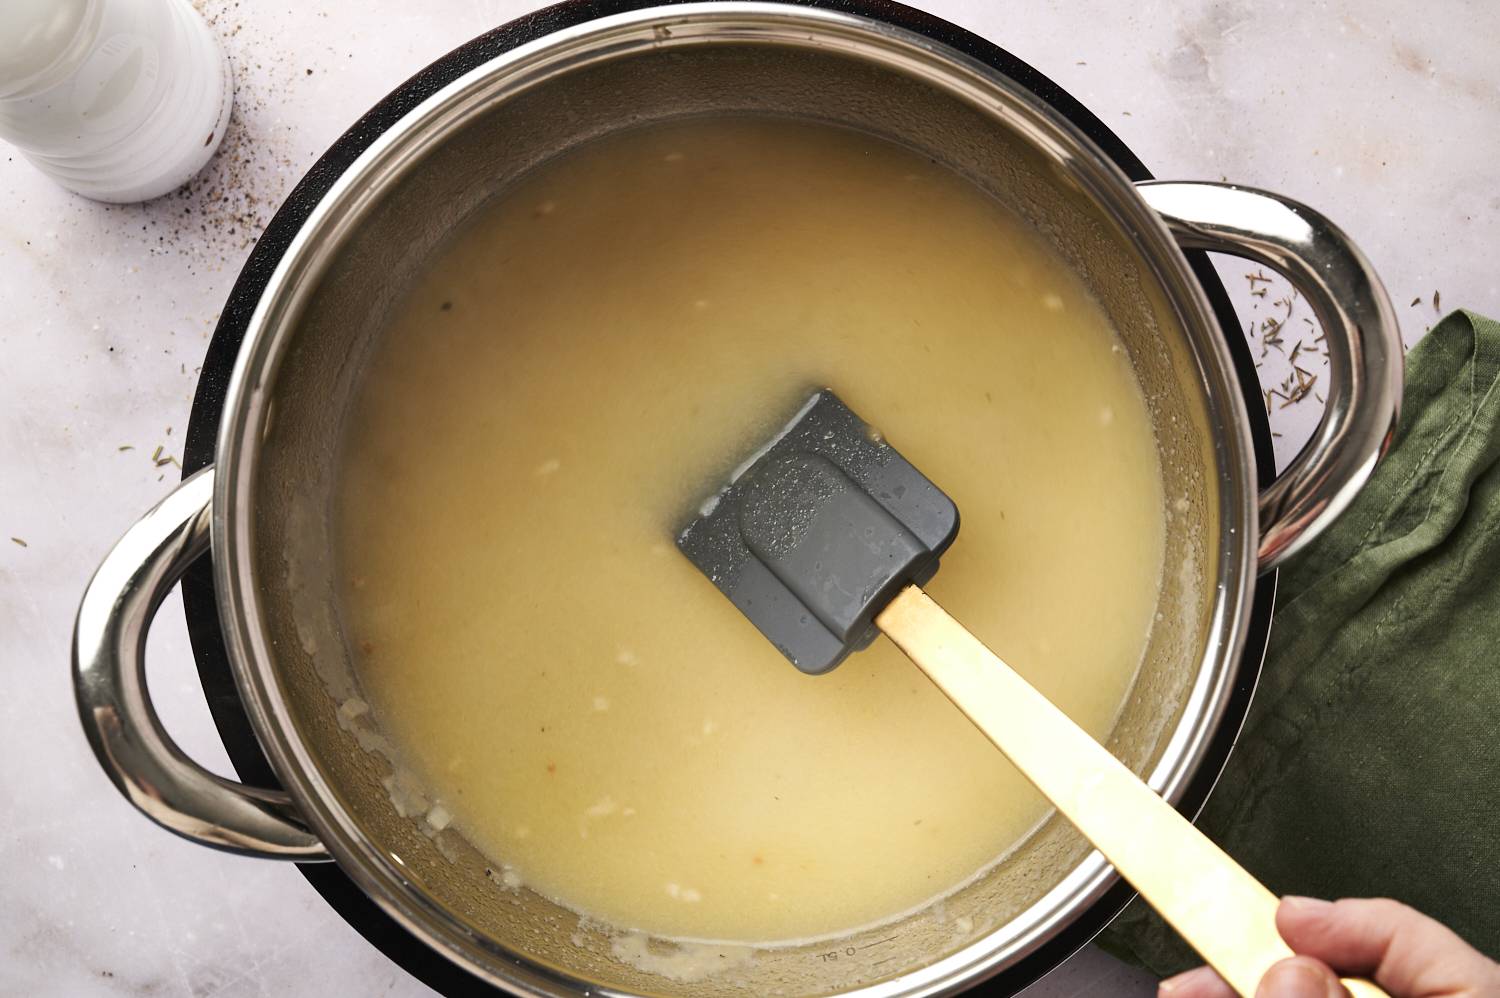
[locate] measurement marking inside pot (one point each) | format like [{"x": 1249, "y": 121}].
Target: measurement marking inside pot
[
  {"x": 879, "y": 962},
  {"x": 880, "y": 942}
]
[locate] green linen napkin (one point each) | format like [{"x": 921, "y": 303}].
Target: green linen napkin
[{"x": 1369, "y": 765}]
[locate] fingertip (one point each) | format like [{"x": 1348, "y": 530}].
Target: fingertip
[
  {"x": 1298, "y": 905},
  {"x": 1299, "y": 919},
  {"x": 1200, "y": 982},
  {"x": 1300, "y": 977}
]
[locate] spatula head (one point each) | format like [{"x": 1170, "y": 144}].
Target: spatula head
[{"x": 818, "y": 531}]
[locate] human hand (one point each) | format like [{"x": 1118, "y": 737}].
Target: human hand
[{"x": 1402, "y": 950}]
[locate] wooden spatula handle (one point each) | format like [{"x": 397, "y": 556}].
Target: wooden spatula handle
[{"x": 1224, "y": 913}]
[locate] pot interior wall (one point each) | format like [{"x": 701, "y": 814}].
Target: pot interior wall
[{"x": 401, "y": 229}]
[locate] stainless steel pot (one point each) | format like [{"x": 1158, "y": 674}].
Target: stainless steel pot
[{"x": 264, "y": 509}]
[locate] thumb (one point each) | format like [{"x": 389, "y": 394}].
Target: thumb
[{"x": 1300, "y": 977}]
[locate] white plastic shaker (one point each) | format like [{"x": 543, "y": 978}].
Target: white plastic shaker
[{"x": 119, "y": 100}]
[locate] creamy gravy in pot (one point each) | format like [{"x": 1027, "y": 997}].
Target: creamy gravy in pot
[{"x": 578, "y": 371}]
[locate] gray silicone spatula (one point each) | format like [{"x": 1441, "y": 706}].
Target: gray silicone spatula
[{"x": 823, "y": 539}]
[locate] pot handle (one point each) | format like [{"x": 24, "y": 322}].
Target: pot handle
[
  {"x": 109, "y": 682},
  {"x": 1359, "y": 326}
]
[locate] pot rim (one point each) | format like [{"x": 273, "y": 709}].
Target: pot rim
[{"x": 620, "y": 35}]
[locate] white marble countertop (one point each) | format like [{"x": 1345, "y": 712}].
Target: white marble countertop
[{"x": 1384, "y": 115}]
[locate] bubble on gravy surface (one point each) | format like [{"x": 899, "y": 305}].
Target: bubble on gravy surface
[{"x": 551, "y": 680}]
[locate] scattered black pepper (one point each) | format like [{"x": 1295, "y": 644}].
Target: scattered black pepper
[
  {"x": 217, "y": 216},
  {"x": 446, "y": 306}
]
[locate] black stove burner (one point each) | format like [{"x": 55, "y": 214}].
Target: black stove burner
[{"x": 198, "y": 588}]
